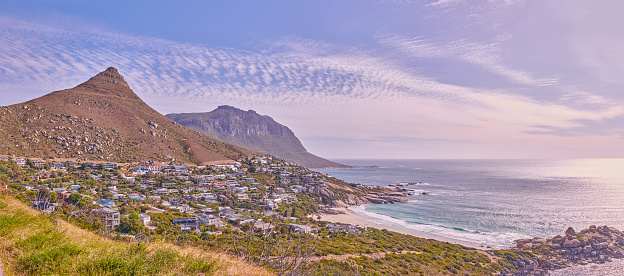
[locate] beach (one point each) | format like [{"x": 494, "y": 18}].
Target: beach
[{"x": 350, "y": 216}]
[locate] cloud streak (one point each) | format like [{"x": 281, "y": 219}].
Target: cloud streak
[{"x": 319, "y": 89}]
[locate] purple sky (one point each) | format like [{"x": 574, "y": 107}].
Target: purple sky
[{"x": 353, "y": 79}]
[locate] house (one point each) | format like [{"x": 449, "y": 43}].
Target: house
[
  {"x": 108, "y": 166},
  {"x": 184, "y": 208},
  {"x": 139, "y": 172},
  {"x": 135, "y": 196},
  {"x": 145, "y": 219},
  {"x": 271, "y": 204},
  {"x": 264, "y": 226},
  {"x": 4, "y": 158},
  {"x": 187, "y": 224},
  {"x": 297, "y": 188},
  {"x": 207, "y": 219},
  {"x": 108, "y": 217},
  {"x": 229, "y": 214},
  {"x": 154, "y": 198},
  {"x": 161, "y": 191},
  {"x": 242, "y": 196},
  {"x": 104, "y": 202},
  {"x": 286, "y": 197},
  {"x": 38, "y": 163},
  {"x": 300, "y": 229},
  {"x": 118, "y": 196},
  {"x": 20, "y": 161}
]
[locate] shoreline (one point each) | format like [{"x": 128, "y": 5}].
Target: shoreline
[{"x": 348, "y": 216}]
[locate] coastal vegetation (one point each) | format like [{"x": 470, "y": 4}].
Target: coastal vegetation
[{"x": 35, "y": 243}]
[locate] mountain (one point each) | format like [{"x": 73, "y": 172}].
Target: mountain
[
  {"x": 253, "y": 131},
  {"x": 102, "y": 119}
]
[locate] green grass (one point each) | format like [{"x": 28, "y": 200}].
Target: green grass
[{"x": 37, "y": 244}]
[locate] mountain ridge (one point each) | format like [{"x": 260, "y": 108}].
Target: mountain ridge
[
  {"x": 102, "y": 119},
  {"x": 253, "y": 131}
]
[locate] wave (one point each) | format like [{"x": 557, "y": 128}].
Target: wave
[{"x": 497, "y": 240}]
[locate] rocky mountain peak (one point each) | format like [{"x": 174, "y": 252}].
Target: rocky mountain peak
[
  {"x": 109, "y": 82},
  {"x": 253, "y": 131}
]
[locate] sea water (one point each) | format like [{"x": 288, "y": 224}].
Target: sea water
[{"x": 493, "y": 202}]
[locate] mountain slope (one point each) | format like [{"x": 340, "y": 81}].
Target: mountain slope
[
  {"x": 102, "y": 119},
  {"x": 253, "y": 131}
]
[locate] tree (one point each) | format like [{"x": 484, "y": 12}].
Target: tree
[
  {"x": 74, "y": 198},
  {"x": 131, "y": 225},
  {"x": 53, "y": 197}
]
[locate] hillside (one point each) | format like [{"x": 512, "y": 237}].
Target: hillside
[
  {"x": 253, "y": 131},
  {"x": 102, "y": 119},
  {"x": 32, "y": 243}
]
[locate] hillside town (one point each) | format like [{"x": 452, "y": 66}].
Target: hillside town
[{"x": 151, "y": 197}]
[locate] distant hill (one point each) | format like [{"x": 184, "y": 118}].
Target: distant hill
[
  {"x": 253, "y": 131},
  {"x": 102, "y": 119}
]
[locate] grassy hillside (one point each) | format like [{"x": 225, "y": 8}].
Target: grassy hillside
[{"x": 32, "y": 243}]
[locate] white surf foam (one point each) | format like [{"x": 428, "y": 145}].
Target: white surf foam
[{"x": 492, "y": 239}]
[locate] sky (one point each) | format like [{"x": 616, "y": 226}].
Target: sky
[{"x": 352, "y": 78}]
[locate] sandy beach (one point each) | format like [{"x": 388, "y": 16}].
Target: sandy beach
[{"x": 348, "y": 216}]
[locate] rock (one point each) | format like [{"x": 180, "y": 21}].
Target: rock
[
  {"x": 571, "y": 243},
  {"x": 557, "y": 239},
  {"x": 587, "y": 249},
  {"x": 583, "y": 243},
  {"x": 570, "y": 232},
  {"x": 555, "y": 246},
  {"x": 620, "y": 240},
  {"x": 599, "y": 246}
]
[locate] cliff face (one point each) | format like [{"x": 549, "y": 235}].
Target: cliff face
[
  {"x": 253, "y": 131},
  {"x": 102, "y": 119}
]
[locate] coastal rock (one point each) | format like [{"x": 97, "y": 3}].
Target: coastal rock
[
  {"x": 555, "y": 246},
  {"x": 557, "y": 239},
  {"x": 592, "y": 245},
  {"x": 571, "y": 243}
]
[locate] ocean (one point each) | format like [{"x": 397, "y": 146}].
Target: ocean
[{"x": 493, "y": 202}]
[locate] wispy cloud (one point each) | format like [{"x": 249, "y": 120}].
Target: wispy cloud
[
  {"x": 317, "y": 88},
  {"x": 487, "y": 56}
]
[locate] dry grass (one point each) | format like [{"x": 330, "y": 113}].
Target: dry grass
[{"x": 35, "y": 244}]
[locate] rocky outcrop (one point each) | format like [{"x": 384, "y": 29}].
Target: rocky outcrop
[
  {"x": 345, "y": 196},
  {"x": 253, "y": 131},
  {"x": 591, "y": 245}
]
